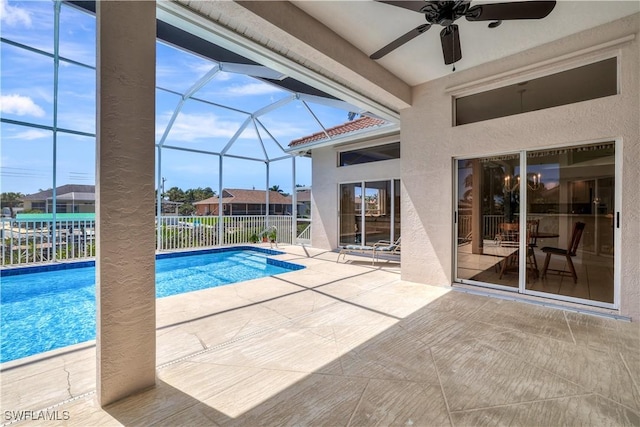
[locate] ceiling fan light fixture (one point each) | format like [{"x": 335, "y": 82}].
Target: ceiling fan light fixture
[{"x": 446, "y": 12}]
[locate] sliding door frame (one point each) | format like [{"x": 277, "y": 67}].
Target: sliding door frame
[{"x": 522, "y": 276}]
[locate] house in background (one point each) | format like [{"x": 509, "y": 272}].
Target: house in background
[
  {"x": 71, "y": 198},
  {"x": 76, "y": 198},
  {"x": 236, "y": 201},
  {"x": 303, "y": 200}
]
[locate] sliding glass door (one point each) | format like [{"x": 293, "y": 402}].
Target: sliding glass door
[
  {"x": 574, "y": 203},
  {"x": 350, "y": 214},
  {"x": 488, "y": 215},
  {"x": 369, "y": 212},
  {"x": 540, "y": 222}
]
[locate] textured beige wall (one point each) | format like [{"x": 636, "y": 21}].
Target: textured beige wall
[
  {"x": 429, "y": 143},
  {"x": 326, "y": 178},
  {"x": 125, "y": 259}
]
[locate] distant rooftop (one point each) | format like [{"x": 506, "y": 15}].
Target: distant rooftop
[
  {"x": 239, "y": 195},
  {"x": 364, "y": 122},
  {"x": 83, "y": 192}
]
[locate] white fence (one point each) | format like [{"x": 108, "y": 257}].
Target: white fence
[
  {"x": 490, "y": 226},
  {"x": 303, "y": 231},
  {"x": 26, "y": 242}
]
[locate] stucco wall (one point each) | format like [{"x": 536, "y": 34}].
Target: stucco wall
[
  {"x": 430, "y": 142},
  {"x": 326, "y": 178}
]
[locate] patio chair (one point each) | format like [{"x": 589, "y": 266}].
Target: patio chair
[
  {"x": 511, "y": 261},
  {"x": 567, "y": 253},
  {"x": 381, "y": 246}
]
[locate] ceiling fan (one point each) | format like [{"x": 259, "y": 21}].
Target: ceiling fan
[{"x": 445, "y": 13}]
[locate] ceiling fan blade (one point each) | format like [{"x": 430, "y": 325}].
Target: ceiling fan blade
[
  {"x": 415, "y": 5},
  {"x": 450, "y": 38},
  {"x": 400, "y": 41},
  {"x": 507, "y": 11}
]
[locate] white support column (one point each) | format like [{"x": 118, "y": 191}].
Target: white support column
[
  {"x": 125, "y": 259},
  {"x": 267, "y": 195},
  {"x": 159, "y": 198},
  {"x": 220, "y": 205},
  {"x": 294, "y": 203}
]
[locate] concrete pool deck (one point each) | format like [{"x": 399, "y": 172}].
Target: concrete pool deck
[{"x": 340, "y": 344}]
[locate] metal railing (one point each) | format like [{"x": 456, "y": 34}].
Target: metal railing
[
  {"x": 27, "y": 241},
  {"x": 490, "y": 226},
  {"x": 24, "y": 242},
  {"x": 303, "y": 231}
]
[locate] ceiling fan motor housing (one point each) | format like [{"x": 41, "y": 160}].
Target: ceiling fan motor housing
[{"x": 444, "y": 13}]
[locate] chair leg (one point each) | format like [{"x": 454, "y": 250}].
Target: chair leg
[
  {"x": 505, "y": 264},
  {"x": 504, "y": 267},
  {"x": 533, "y": 256},
  {"x": 532, "y": 263},
  {"x": 572, "y": 269},
  {"x": 546, "y": 264}
]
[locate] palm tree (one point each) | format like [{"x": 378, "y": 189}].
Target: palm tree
[
  {"x": 276, "y": 188},
  {"x": 11, "y": 200}
]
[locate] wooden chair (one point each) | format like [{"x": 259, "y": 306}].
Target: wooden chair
[
  {"x": 507, "y": 234},
  {"x": 568, "y": 253},
  {"x": 511, "y": 261}
]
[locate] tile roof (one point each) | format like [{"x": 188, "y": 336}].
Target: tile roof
[
  {"x": 238, "y": 195},
  {"x": 359, "y": 124},
  {"x": 64, "y": 189}
]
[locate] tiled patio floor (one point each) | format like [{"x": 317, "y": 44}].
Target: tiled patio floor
[{"x": 353, "y": 345}]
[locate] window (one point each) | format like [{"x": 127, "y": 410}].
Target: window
[
  {"x": 370, "y": 154},
  {"x": 380, "y": 202},
  {"x": 591, "y": 81}
]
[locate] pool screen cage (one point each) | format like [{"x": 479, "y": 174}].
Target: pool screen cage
[{"x": 210, "y": 102}]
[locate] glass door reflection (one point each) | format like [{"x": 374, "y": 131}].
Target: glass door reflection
[
  {"x": 575, "y": 208},
  {"x": 350, "y": 214},
  {"x": 488, "y": 217}
]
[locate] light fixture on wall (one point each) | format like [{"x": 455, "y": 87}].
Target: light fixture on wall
[{"x": 534, "y": 182}]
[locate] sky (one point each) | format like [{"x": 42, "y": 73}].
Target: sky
[{"x": 27, "y": 95}]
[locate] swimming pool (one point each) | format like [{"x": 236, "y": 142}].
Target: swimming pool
[{"x": 54, "y": 308}]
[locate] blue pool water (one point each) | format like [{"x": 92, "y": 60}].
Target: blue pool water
[{"x": 46, "y": 310}]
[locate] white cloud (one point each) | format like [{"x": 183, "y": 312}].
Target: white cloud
[
  {"x": 31, "y": 134},
  {"x": 12, "y": 15},
  {"x": 252, "y": 89},
  {"x": 20, "y": 105},
  {"x": 190, "y": 127}
]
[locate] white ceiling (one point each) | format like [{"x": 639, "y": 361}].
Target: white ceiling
[{"x": 370, "y": 25}]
